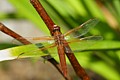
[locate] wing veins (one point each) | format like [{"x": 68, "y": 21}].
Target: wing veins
[{"x": 86, "y": 25}]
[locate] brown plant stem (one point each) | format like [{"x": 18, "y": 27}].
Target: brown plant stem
[
  {"x": 41, "y": 11},
  {"x": 50, "y": 24},
  {"x": 75, "y": 64}
]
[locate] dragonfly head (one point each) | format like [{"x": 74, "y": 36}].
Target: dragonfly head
[{"x": 55, "y": 28}]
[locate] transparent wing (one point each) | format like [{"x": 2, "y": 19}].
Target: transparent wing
[
  {"x": 83, "y": 43},
  {"x": 46, "y": 52},
  {"x": 84, "y": 28},
  {"x": 50, "y": 51},
  {"x": 45, "y": 47},
  {"x": 34, "y": 40}
]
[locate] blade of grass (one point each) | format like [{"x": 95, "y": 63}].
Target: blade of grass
[{"x": 13, "y": 53}]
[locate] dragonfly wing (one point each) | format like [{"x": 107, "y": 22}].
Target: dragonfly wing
[
  {"x": 84, "y": 28},
  {"x": 83, "y": 43},
  {"x": 51, "y": 51},
  {"x": 91, "y": 38},
  {"x": 45, "y": 47},
  {"x": 34, "y": 40},
  {"x": 40, "y": 51}
]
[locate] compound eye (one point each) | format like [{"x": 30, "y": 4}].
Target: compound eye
[{"x": 56, "y": 28}]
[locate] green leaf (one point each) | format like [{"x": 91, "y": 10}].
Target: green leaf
[
  {"x": 33, "y": 51},
  {"x": 23, "y": 51},
  {"x": 100, "y": 46}
]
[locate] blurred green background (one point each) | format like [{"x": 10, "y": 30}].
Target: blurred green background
[{"x": 102, "y": 61}]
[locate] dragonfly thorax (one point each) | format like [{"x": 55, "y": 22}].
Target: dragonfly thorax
[{"x": 59, "y": 39}]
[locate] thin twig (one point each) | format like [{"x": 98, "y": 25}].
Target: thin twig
[
  {"x": 48, "y": 21},
  {"x": 11, "y": 33},
  {"x": 75, "y": 64},
  {"x": 50, "y": 24},
  {"x": 41, "y": 11}
]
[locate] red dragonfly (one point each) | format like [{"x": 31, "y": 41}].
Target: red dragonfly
[{"x": 47, "y": 44}]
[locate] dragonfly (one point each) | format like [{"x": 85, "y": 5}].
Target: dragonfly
[{"x": 49, "y": 43}]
